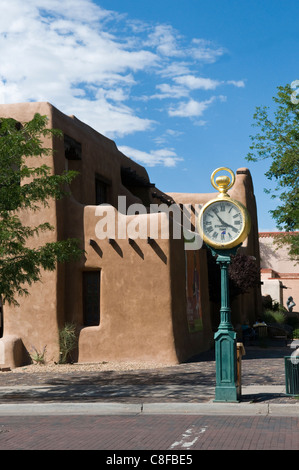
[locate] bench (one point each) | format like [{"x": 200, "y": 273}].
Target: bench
[{"x": 279, "y": 333}]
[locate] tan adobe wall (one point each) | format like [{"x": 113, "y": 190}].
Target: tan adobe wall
[
  {"x": 143, "y": 289},
  {"x": 273, "y": 258},
  {"x": 35, "y": 321},
  {"x": 145, "y": 312}
]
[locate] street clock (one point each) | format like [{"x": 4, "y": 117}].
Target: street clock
[{"x": 224, "y": 223}]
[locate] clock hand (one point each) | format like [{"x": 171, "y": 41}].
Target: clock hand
[
  {"x": 225, "y": 223},
  {"x": 222, "y": 221}
]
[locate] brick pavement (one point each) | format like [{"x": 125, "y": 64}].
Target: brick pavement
[{"x": 160, "y": 432}]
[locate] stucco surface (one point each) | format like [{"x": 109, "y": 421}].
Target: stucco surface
[{"x": 143, "y": 305}]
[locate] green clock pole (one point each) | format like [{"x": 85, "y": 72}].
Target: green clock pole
[
  {"x": 225, "y": 338},
  {"x": 233, "y": 228}
]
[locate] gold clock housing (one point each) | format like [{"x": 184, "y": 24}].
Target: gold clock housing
[{"x": 223, "y": 222}]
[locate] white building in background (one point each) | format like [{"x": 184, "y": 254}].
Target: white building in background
[{"x": 279, "y": 274}]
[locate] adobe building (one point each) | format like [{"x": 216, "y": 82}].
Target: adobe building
[
  {"x": 279, "y": 274},
  {"x": 132, "y": 298}
]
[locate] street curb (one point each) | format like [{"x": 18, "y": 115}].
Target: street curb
[
  {"x": 39, "y": 409},
  {"x": 236, "y": 409},
  {"x": 210, "y": 408}
]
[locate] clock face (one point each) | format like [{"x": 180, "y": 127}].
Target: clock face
[{"x": 222, "y": 223}]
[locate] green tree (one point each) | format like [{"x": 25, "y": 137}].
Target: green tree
[
  {"x": 278, "y": 140},
  {"x": 27, "y": 188}
]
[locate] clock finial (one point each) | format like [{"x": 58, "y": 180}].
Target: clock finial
[{"x": 223, "y": 183}]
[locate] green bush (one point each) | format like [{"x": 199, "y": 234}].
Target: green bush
[
  {"x": 296, "y": 333},
  {"x": 271, "y": 316},
  {"x": 38, "y": 356},
  {"x": 67, "y": 341}
]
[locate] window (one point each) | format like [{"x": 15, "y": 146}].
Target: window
[
  {"x": 72, "y": 148},
  {"x": 91, "y": 298},
  {"x": 102, "y": 189}
]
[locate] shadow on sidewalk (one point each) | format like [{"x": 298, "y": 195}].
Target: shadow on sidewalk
[{"x": 191, "y": 381}]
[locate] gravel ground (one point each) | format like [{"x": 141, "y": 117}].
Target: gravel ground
[{"x": 87, "y": 367}]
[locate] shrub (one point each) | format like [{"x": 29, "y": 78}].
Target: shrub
[
  {"x": 67, "y": 341},
  {"x": 273, "y": 305},
  {"x": 296, "y": 333},
  {"x": 271, "y": 316},
  {"x": 37, "y": 356}
]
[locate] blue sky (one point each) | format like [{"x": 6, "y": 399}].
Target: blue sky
[{"x": 174, "y": 83}]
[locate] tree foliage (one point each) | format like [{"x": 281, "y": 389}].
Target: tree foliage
[
  {"x": 29, "y": 188},
  {"x": 278, "y": 140},
  {"x": 243, "y": 275}
]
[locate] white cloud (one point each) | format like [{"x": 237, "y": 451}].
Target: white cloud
[
  {"x": 84, "y": 11},
  {"x": 163, "y": 157},
  {"x": 165, "y": 39},
  {"x": 97, "y": 64},
  {"x": 168, "y": 135},
  {"x": 169, "y": 91},
  {"x": 174, "y": 69},
  {"x": 185, "y": 83},
  {"x": 205, "y": 50},
  {"x": 114, "y": 119},
  {"x": 60, "y": 52},
  {"x": 237, "y": 83},
  {"x": 200, "y": 123},
  {"x": 197, "y": 83},
  {"x": 191, "y": 108}
]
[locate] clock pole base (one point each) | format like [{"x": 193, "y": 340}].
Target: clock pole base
[
  {"x": 226, "y": 394},
  {"x": 226, "y": 366}
]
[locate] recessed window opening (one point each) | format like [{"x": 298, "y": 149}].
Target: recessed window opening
[
  {"x": 72, "y": 148},
  {"x": 102, "y": 190},
  {"x": 91, "y": 297}
]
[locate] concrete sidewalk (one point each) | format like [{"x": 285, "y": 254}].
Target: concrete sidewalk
[
  {"x": 243, "y": 408},
  {"x": 183, "y": 389}
]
